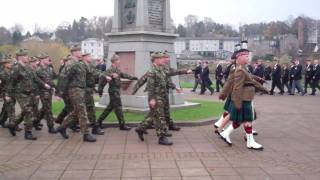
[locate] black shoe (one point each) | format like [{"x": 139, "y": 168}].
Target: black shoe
[
  {"x": 168, "y": 134},
  {"x": 125, "y": 128},
  {"x": 271, "y": 93},
  {"x": 291, "y": 94},
  {"x": 101, "y": 125},
  {"x": 37, "y": 126},
  {"x": 12, "y": 130},
  {"x": 174, "y": 128},
  {"x": 17, "y": 128},
  {"x": 151, "y": 127},
  {"x": 165, "y": 141},
  {"x": 312, "y": 94},
  {"x": 89, "y": 138},
  {"x": 51, "y": 130},
  {"x": 140, "y": 134},
  {"x": 3, "y": 124},
  {"x": 97, "y": 131},
  {"x": 63, "y": 132},
  {"x": 29, "y": 136}
]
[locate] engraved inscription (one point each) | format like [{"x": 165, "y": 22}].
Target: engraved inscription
[{"x": 156, "y": 8}]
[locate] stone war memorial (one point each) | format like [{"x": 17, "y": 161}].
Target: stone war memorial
[{"x": 141, "y": 27}]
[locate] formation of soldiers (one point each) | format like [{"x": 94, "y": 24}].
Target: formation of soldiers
[{"x": 28, "y": 80}]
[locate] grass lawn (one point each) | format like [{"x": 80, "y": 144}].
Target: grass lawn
[
  {"x": 207, "y": 109},
  {"x": 190, "y": 85}
]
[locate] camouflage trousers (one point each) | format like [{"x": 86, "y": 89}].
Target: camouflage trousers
[
  {"x": 90, "y": 106},
  {"x": 27, "y": 105},
  {"x": 116, "y": 105},
  {"x": 8, "y": 112},
  {"x": 35, "y": 110},
  {"x": 79, "y": 111},
  {"x": 66, "y": 109},
  {"x": 156, "y": 115},
  {"x": 46, "y": 110},
  {"x": 167, "y": 115}
]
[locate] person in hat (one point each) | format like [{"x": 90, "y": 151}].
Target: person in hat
[
  {"x": 156, "y": 88},
  {"x": 242, "y": 93},
  {"x": 23, "y": 86},
  {"x": 47, "y": 75},
  {"x": 205, "y": 79},
  {"x": 219, "y": 77},
  {"x": 286, "y": 78},
  {"x": 308, "y": 75},
  {"x": 114, "y": 93},
  {"x": 75, "y": 84},
  {"x": 315, "y": 77},
  {"x": 8, "y": 107},
  {"x": 62, "y": 92},
  {"x": 276, "y": 78},
  {"x": 91, "y": 78}
]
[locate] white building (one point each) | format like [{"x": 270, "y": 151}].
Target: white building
[
  {"x": 180, "y": 46},
  {"x": 93, "y": 46},
  {"x": 204, "y": 45}
]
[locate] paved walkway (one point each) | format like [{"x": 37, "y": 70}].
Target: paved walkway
[{"x": 288, "y": 127}]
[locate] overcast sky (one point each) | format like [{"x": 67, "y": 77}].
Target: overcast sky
[{"x": 50, "y": 13}]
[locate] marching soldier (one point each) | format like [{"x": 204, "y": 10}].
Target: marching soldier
[
  {"x": 308, "y": 75},
  {"x": 114, "y": 93},
  {"x": 316, "y": 77},
  {"x": 219, "y": 77},
  {"x": 46, "y": 74},
  {"x": 8, "y": 108},
  {"x": 92, "y": 77},
  {"x": 156, "y": 88},
  {"x": 242, "y": 94},
  {"x": 276, "y": 79},
  {"x": 75, "y": 84},
  {"x": 286, "y": 78},
  {"x": 22, "y": 85}
]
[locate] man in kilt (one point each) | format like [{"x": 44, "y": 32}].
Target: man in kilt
[{"x": 242, "y": 90}]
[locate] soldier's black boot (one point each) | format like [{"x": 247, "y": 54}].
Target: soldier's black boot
[
  {"x": 51, "y": 130},
  {"x": 29, "y": 136},
  {"x": 36, "y": 126},
  {"x": 12, "y": 129},
  {"x": 17, "y": 128},
  {"x": 140, "y": 133},
  {"x": 123, "y": 127},
  {"x": 97, "y": 131},
  {"x": 101, "y": 126},
  {"x": 165, "y": 141},
  {"x": 63, "y": 132},
  {"x": 89, "y": 138},
  {"x": 174, "y": 127},
  {"x": 167, "y": 134}
]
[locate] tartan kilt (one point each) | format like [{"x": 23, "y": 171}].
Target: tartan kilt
[
  {"x": 246, "y": 113},
  {"x": 227, "y": 104}
]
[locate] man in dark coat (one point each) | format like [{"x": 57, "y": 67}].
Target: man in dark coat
[
  {"x": 296, "y": 76},
  {"x": 197, "y": 72},
  {"x": 308, "y": 75},
  {"x": 286, "y": 77},
  {"x": 219, "y": 77},
  {"x": 276, "y": 79},
  {"x": 316, "y": 77},
  {"x": 206, "y": 81}
]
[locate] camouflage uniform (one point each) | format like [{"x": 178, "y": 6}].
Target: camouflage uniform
[
  {"x": 47, "y": 75},
  {"x": 170, "y": 85},
  {"x": 63, "y": 93},
  {"x": 156, "y": 88},
  {"x": 8, "y": 108},
  {"x": 75, "y": 84},
  {"x": 114, "y": 94},
  {"x": 92, "y": 77},
  {"x": 23, "y": 85}
]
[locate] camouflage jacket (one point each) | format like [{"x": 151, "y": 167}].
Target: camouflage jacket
[
  {"x": 61, "y": 86},
  {"x": 115, "y": 83},
  {"x": 47, "y": 75},
  {"x": 156, "y": 83},
  {"x": 23, "y": 80},
  {"x": 93, "y": 76},
  {"x": 5, "y": 78},
  {"x": 74, "y": 75},
  {"x": 168, "y": 71}
]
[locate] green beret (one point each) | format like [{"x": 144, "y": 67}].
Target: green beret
[
  {"x": 75, "y": 48},
  {"x": 22, "y": 52},
  {"x": 86, "y": 54},
  {"x": 42, "y": 56},
  {"x": 33, "y": 59},
  {"x": 114, "y": 57},
  {"x": 156, "y": 55},
  {"x": 5, "y": 61}
]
